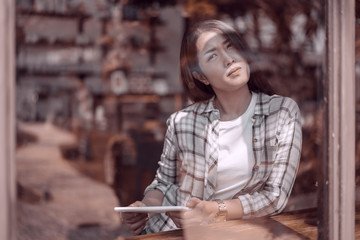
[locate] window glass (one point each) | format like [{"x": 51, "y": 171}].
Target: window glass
[{"x": 97, "y": 80}]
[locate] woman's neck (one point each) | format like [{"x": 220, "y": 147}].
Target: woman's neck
[{"x": 233, "y": 105}]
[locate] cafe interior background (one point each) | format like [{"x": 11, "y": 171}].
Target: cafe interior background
[{"x": 97, "y": 79}]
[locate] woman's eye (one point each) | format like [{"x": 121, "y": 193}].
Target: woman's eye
[
  {"x": 212, "y": 56},
  {"x": 229, "y": 45}
]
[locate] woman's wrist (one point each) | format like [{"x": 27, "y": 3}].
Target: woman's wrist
[
  {"x": 222, "y": 213},
  {"x": 212, "y": 211}
]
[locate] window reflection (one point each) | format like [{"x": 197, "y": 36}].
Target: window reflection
[{"x": 106, "y": 83}]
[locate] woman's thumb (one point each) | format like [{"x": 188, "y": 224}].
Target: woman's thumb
[{"x": 193, "y": 202}]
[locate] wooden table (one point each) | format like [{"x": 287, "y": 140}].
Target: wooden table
[{"x": 286, "y": 226}]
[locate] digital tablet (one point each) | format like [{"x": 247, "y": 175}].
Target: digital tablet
[{"x": 151, "y": 209}]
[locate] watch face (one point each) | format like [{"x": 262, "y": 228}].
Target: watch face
[{"x": 222, "y": 209}]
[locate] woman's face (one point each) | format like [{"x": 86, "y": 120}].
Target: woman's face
[{"x": 225, "y": 69}]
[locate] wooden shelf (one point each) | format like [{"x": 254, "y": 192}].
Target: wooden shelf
[
  {"x": 75, "y": 15},
  {"x": 58, "y": 70},
  {"x": 60, "y": 43},
  {"x": 68, "y": 14}
]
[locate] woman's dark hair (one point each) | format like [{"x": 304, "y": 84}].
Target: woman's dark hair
[{"x": 196, "y": 90}]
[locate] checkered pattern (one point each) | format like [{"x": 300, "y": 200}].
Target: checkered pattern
[{"x": 188, "y": 165}]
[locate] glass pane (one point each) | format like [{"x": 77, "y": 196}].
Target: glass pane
[{"x": 97, "y": 80}]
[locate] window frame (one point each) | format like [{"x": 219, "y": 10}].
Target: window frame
[
  {"x": 336, "y": 211},
  {"x": 7, "y": 121}
]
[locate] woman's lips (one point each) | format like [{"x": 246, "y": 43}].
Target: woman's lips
[{"x": 234, "y": 71}]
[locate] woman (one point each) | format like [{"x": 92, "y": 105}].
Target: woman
[{"x": 232, "y": 154}]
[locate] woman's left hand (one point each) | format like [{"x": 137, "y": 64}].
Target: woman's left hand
[
  {"x": 201, "y": 212},
  {"x": 177, "y": 217}
]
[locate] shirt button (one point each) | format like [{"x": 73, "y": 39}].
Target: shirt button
[
  {"x": 256, "y": 168},
  {"x": 255, "y": 140}
]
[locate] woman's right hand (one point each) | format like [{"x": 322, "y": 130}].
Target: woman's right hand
[{"x": 135, "y": 221}]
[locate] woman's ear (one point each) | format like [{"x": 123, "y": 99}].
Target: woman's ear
[{"x": 200, "y": 77}]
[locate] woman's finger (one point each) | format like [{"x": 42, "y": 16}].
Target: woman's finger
[
  {"x": 135, "y": 217},
  {"x": 175, "y": 214},
  {"x": 177, "y": 221},
  {"x": 192, "y": 218},
  {"x": 138, "y": 227},
  {"x": 176, "y": 217},
  {"x": 193, "y": 202}
]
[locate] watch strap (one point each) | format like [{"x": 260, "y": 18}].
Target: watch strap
[{"x": 222, "y": 210}]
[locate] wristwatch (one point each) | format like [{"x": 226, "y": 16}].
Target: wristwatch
[{"x": 222, "y": 213}]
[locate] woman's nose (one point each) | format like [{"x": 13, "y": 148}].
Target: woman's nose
[{"x": 228, "y": 60}]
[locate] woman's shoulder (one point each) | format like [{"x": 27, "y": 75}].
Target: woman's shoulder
[
  {"x": 192, "y": 111},
  {"x": 196, "y": 108},
  {"x": 277, "y": 103}
]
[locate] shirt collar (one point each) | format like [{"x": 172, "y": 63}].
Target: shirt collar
[
  {"x": 262, "y": 104},
  {"x": 261, "y": 108}
]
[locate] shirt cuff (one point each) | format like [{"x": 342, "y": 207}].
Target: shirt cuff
[{"x": 246, "y": 206}]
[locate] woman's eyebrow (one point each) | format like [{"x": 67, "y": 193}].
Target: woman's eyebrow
[
  {"x": 226, "y": 41},
  {"x": 210, "y": 50}
]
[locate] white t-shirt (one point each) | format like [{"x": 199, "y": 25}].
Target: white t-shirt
[{"x": 236, "y": 157}]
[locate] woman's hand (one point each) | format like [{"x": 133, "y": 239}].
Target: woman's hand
[
  {"x": 177, "y": 217},
  {"x": 135, "y": 221},
  {"x": 201, "y": 212}
]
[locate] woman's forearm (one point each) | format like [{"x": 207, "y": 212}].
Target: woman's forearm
[
  {"x": 207, "y": 211},
  {"x": 234, "y": 209}
]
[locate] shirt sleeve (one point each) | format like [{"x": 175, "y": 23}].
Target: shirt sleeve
[
  {"x": 166, "y": 174},
  {"x": 273, "y": 195}
]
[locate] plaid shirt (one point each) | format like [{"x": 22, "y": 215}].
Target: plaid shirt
[{"x": 188, "y": 166}]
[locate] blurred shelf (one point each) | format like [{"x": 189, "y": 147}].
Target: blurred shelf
[
  {"x": 59, "y": 43},
  {"x": 45, "y": 70},
  {"x": 65, "y": 15},
  {"x": 75, "y": 15}
]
